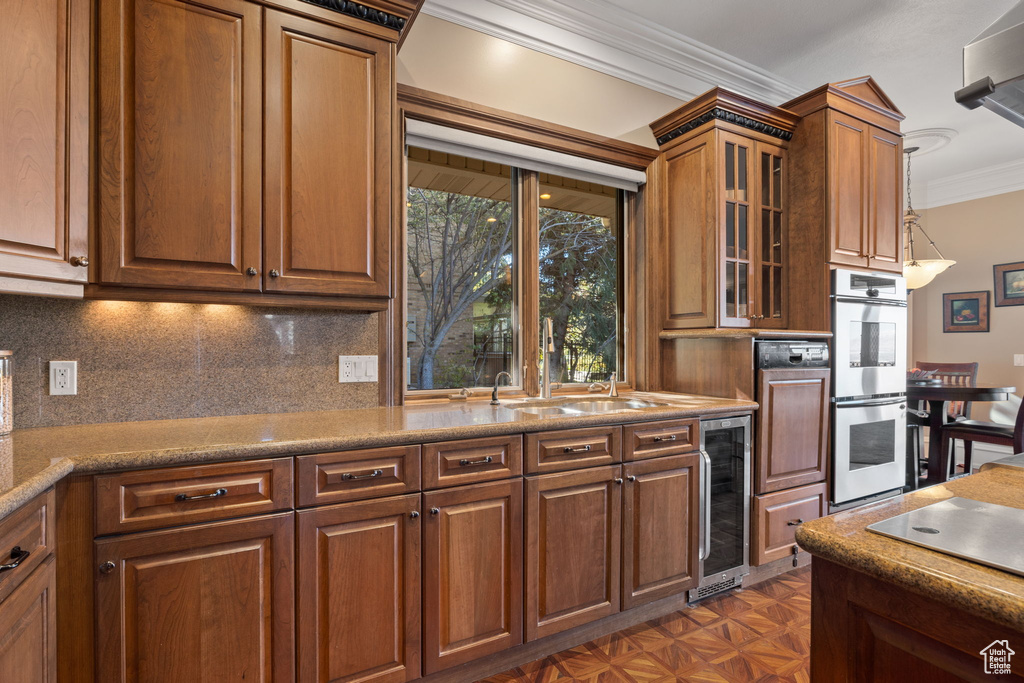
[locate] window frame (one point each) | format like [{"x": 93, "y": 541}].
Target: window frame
[{"x": 443, "y": 110}]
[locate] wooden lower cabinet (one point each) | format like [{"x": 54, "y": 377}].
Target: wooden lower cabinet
[
  {"x": 206, "y": 603},
  {"x": 572, "y": 549},
  {"x": 776, "y": 517},
  {"x": 28, "y": 629},
  {"x": 660, "y": 513},
  {"x": 358, "y": 606},
  {"x": 792, "y": 433},
  {"x": 472, "y": 572}
]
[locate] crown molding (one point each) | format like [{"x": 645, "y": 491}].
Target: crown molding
[
  {"x": 977, "y": 184},
  {"x": 614, "y": 41}
]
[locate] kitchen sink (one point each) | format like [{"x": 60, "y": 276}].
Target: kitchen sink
[{"x": 573, "y": 405}]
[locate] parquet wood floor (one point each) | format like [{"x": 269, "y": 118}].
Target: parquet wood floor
[{"x": 762, "y": 634}]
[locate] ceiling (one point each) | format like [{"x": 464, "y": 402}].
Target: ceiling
[{"x": 776, "y": 50}]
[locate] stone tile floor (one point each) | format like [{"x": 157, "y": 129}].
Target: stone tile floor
[{"x": 762, "y": 633}]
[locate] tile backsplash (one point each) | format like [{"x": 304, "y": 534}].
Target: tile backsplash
[{"x": 153, "y": 361}]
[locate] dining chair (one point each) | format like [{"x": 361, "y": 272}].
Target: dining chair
[
  {"x": 985, "y": 432},
  {"x": 955, "y": 374}
]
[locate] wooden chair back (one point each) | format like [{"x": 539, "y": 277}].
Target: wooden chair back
[{"x": 955, "y": 374}]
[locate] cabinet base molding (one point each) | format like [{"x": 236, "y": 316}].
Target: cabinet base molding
[{"x": 115, "y": 293}]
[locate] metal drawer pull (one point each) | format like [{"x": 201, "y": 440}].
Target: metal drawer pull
[
  {"x": 17, "y": 557},
  {"x": 348, "y": 476},
  {"x": 670, "y": 437},
  {"x": 580, "y": 449},
  {"x": 182, "y": 498},
  {"x": 467, "y": 463},
  {"x": 798, "y": 522}
]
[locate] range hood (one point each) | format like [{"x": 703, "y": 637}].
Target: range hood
[{"x": 994, "y": 68}]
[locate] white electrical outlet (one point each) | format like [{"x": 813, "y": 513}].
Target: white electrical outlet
[
  {"x": 1018, "y": 360},
  {"x": 357, "y": 368},
  {"x": 63, "y": 377}
]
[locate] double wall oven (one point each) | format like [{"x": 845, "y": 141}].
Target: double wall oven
[{"x": 869, "y": 383}]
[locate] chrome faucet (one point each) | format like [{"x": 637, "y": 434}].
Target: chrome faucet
[
  {"x": 610, "y": 387},
  {"x": 497, "y": 379},
  {"x": 549, "y": 350}
]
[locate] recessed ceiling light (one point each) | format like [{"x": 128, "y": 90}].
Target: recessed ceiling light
[{"x": 545, "y": 196}]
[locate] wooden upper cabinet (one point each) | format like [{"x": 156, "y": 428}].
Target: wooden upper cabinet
[
  {"x": 792, "y": 443},
  {"x": 44, "y": 139},
  {"x": 848, "y": 189},
  {"x": 328, "y": 159},
  {"x": 180, "y": 172},
  {"x": 724, "y": 211},
  {"x": 885, "y": 215},
  {"x": 359, "y": 591},
  {"x": 472, "y": 572},
  {"x": 213, "y": 602}
]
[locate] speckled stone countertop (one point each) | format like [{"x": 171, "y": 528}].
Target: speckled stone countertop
[
  {"x": 32, "y": 460},
  {"x": 988, "y": 593}
]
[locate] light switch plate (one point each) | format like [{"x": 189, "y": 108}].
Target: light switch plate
[
  {"x": 1018, "y": 360},
  {"x": 63, "y": 377},
  {"x": 357, "y": 369}
]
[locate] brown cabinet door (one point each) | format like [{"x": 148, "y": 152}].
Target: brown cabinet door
[
  {"x": 473, "y": 572},
  {"x": 213, "y": 602},
  {"x": 792, "y": 434},
  {"x": 660, "y": 515},
  {"x": 572, "y": 549},
  {"x": 179, "y": 148},
  {"x": 737, "y": 189},
  {"x": 44, "y": 140},
  {"x": 885, "y": 229},
  {"x": 28, "y": 629},
  {"x": 848, "y": 189},
  {"x": 777, "y": 516},
  {"x": 328, "y": 159},
  {"x": 359, "y": 592}
]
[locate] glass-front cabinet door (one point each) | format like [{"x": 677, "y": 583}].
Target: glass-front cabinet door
[
  {"x": 771, "y": 290},
  {"x": 736, "y": 280},
  {"x": 752, "y": 253}
]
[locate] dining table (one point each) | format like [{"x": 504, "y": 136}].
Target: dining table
[{"x": 937, "y": 396}]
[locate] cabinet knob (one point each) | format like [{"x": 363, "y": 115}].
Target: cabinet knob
[
  {"x": 79, "y": 261},
  {"x": 106, "y": 567},
  {"x": 617, "y": 480},
  {"x": 631, "y": 479},
  {"x": 274, "y": 272},
  {"x": 251, "y": 272},
  {"x": 414, "y": 514},
  {"x": 435, "y": 511}
]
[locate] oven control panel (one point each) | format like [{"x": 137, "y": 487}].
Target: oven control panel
[{"x": 791, "y": 354}]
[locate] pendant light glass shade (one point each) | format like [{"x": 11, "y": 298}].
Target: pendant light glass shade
[{"x": 919, "y": 272}]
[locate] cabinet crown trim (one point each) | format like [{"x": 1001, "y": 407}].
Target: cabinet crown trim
[
  {"x": 354, "y": 9},
  {"x": 728, "y": 117}
]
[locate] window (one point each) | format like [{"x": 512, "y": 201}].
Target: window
[{"x": 483, "y": 272}]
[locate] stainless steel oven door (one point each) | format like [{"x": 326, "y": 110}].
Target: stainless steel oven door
[
  {"x": 869, "y": 447},
  {"x": 870, "y": 347}
]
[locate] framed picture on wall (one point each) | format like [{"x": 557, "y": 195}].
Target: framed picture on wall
[
  {"x": 1009, "y": 283},
  {"x": 965, "y": 312}
]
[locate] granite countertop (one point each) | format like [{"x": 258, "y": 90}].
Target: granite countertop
[
  {"x": 985, "y": 592},
  {"x": 32, "y": 460}
]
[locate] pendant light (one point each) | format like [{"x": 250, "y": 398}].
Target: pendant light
[{"x": 919, "y": 272}]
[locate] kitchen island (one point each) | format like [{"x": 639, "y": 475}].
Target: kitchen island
[{"x": 886, "y": 610}]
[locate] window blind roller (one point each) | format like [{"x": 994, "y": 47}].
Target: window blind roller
[{"x": 474, "y": 145}]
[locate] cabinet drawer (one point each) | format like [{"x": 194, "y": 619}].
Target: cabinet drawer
[
  {"x": 26, "y": 539},
  {"x": 150, "y": 499},
  {"x": 572, "y": 449},
  {"x": 654, "y": 439},
  {"x": 777, "y": 516},
  {"x": 472, "y": 460},
  {"x": 356, "y": 475}
]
